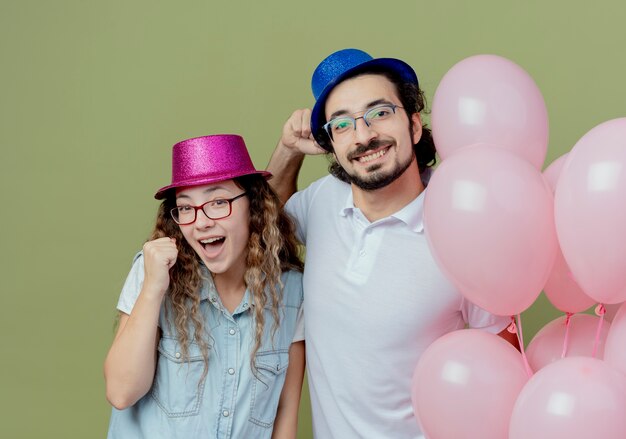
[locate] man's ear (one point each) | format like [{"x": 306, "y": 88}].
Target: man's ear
[{"x": 416, "y": 132}]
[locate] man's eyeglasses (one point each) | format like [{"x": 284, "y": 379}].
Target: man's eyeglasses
[
  {"x": 214, "y": 209},
  {"x": 342, "y": 125}
]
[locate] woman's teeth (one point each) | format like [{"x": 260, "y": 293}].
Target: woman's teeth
[{"x": 212, "y": 240}]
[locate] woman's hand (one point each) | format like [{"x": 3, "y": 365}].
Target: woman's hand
[{"x": 159, "y": 256}]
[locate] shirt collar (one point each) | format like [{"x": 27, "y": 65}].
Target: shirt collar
[
  {"x": 348, "y": 206},
  {"x": 412, "y": 214},
  {"x": 209, "y": 292}
]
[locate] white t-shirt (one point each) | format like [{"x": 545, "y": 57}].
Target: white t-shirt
[{"x": 375, "y": 299}]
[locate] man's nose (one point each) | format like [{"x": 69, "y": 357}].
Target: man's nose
[{"x": 364, "y": 132}]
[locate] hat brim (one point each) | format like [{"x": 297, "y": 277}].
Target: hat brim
[
  {"x": 161, "y": 193},
  {"x": 318, "y": 118}
]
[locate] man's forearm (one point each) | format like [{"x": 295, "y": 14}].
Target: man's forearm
[{"x": 285, "y": 166}]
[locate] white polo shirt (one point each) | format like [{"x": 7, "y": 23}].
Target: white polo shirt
[{"x": 374, "y": 300}]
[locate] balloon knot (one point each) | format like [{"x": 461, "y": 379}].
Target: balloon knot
[
  {"x": 512, "y": 328},
  {"x": 568, "y": 317}
]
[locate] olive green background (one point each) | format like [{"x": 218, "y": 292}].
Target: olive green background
[{"x": 95, "y": 93}]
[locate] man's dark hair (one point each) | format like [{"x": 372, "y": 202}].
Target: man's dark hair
[{"x": 413, "y": 100}]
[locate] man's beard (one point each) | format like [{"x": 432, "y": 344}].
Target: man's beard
[{"x": 374, "y": 180}]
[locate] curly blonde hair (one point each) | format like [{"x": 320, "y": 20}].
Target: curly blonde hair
[{"x": 272, "y": 249}]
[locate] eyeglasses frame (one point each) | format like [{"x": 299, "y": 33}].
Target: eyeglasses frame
[
  {"x": 326, "y": 126},
  {"x": 201, "y": 207}
]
